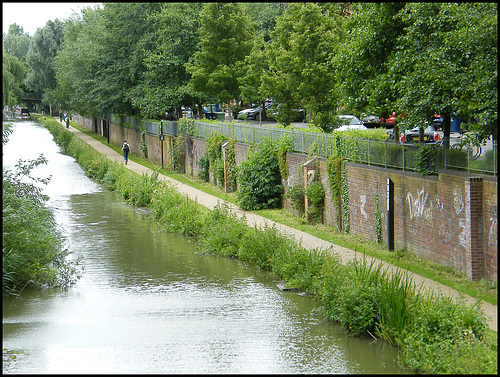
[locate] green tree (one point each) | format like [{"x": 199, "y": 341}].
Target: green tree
[
  {"x": 451, "y": 51},
  {"x": 165, "y": 82},
  {"x": 126, "y": 33},
  {"x": 44, "y": 46},
  {"x": 16, "y": 42},
  {"x": 265, "y": 16},
  {"x": 300, "y": 73},
  {"x": 362, "y": 63},
  {"x": 12, "y": 80},
  {"x": 75, "y": 64},
  {"x": 225, "y": 39}
]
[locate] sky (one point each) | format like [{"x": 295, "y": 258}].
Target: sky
[{"x": 32, "y": 16}]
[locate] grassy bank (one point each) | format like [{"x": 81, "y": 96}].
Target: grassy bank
[{"x": 435, "y": 334}]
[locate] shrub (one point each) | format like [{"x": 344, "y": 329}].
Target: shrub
[
  {"x": 315, "y": 193},
  {"x": 33, "y": 251},
  {"x": 296, "y": 194},
  {"x": 260, "y": 180}
]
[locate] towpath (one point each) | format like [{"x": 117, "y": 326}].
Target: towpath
[{"x": 307, "y": 240}]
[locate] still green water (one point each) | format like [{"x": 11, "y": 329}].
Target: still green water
[{"x": 150, "y": 302}]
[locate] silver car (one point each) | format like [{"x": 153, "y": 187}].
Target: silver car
[{"x": 349, "y": 122}]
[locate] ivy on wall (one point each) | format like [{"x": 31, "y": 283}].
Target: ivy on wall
[
  {"x": 214, "y": 152},
  {"x": 378, "y": 220},
  {"x": 231, "y": 168}
]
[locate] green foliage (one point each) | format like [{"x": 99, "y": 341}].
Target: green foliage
[
  {"x": 337, "y": 180},
  {"x": 138, "y": 191},
  {"x": 223, "y": 231},
  {"x": 173, "y": 38},
  {"x": 225, "y": 39},
  {"x": 299, "y": 72},
  {"x": 44, "y": 46},
  {"x": 296, "y": 194},
  {"x": 259, "y": 180},
  {"x": 12, "y": 79},
  {"x": 284, "y": 144},
  {"x": 33, "y": 252},
  {"x": 16, "y": 42},
  {"x": 176, "y": 212},
  {"x": 315, "y": 194},
  {"x": 378, "y": 220},
  {"x": 203, "y": 166},
  {"x": 259, "y": 245},
  {"x": 425, "y": 160},
  {"x": 185, "y": 127},
  {"x": 214, "y": 152},
  {"x": 231, "y": 168},
  {"x": 62, "y": 137}
]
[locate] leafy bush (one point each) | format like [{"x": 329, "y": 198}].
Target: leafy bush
[
  {"x": 33, "y": 251},
  {"x": 315, "y": 193},
  {"x": 260, "y": 180},
  {"x": 296, "y": 194}
]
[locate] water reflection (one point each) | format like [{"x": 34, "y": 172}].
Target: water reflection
[{"x": 150, "y": 302}]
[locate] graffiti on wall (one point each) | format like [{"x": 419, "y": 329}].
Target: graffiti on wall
[
  {"x": 417, "y": 205},
  {"x": 492, "y": 235},
  {"x": 362, "y": 198},
  {"x": 458, "y": 201}
]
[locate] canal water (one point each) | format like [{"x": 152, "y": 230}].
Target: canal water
[{"x": 150, "y": 302}]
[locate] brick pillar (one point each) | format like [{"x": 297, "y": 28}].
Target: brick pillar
[{"x": 475, "y": 258}]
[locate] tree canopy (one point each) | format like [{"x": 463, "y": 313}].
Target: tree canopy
[
  {"x": 225, "y": 40},
  {"x": 418, "y": 59}
]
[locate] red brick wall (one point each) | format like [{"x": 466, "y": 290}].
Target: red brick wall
[{"x": 440, "y": 218}]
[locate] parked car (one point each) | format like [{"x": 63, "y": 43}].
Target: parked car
[
  {"x": 431, "y": 136},
  {"x": 349, "y": 122},
  {"x": 371, "y": 121},
  {"x": 437, "y": 121},
  {"x": 253, "y": 113},
  {"x": 391, "y": 121}
]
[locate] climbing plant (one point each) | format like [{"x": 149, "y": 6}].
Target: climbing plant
[
  {"x": 284, "y": 144},
  {"x": 378, "y": 220},
  {"x": 214, "y": 152},
  {"x": 231, "y": 168},
  {"x": 334, "y": 171}
]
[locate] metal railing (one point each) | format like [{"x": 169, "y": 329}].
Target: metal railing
[{"x": 388, "y": 154}]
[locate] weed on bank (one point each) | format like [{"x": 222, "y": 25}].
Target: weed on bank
[{"x": 434, "y": 333}]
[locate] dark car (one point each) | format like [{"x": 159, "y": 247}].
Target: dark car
[
  {"x": 431, "y": 136},
  {"x": 371, "y": 121},
  {"x": 253, "y": 113}
]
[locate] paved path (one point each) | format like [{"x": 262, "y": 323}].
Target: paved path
[{"x": 308, "y": 241}]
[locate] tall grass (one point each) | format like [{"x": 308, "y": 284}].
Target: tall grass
[{"x": 435, "y": 334}]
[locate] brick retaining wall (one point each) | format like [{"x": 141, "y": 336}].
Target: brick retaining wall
[{"x": 450, "y": 218}]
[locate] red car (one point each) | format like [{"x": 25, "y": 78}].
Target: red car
[{"x": 390, "y": 121}]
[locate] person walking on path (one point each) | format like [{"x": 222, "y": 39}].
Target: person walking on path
[
  {"x": 125, "y": 151},
  {"x": 66, "y": 119}
]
